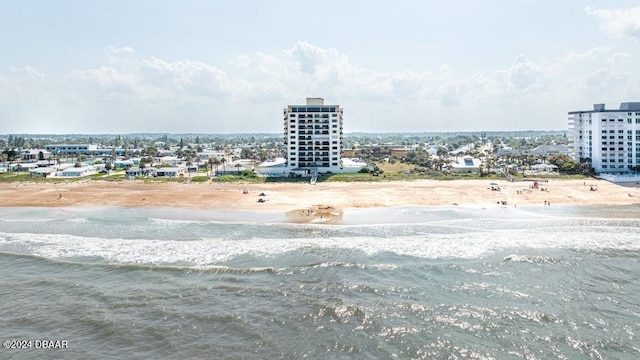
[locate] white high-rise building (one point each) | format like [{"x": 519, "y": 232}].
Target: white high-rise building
[
  {"x": 608, "y": 139},
  {"x": 313, "y": 137}
]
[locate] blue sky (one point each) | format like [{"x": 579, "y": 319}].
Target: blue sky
[{"x": 232, "y": 66}]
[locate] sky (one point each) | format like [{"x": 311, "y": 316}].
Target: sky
[{"x": 216, "y": 66}]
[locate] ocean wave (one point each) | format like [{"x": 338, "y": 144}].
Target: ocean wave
[{"x": 216, "y": 251}]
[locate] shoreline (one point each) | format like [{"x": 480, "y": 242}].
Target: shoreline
[{"x": 323, "y": 202}]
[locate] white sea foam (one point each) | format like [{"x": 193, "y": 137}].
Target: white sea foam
[{"x": 211, "y": 251}]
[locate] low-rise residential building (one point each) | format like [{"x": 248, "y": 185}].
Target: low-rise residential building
[
  {"x": 77, "y": 171},
  {"x": 87, "y": 149},
  {"x": 170, "y": 172},
  {"x": 43, "y": 171},
  {"x": 466, "y": 164},
  {"x": 35, "y": 155}
]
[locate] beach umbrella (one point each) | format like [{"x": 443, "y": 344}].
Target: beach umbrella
[{"x": 493, "y": 183}]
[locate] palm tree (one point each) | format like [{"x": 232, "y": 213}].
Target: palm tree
[
  {"x": 143, "y": 165},
  {"x": 237, "y": 165},
  {"x": 4, "y": 157},
  {"x": 189, "y": 163},
  {"x": 223, "y": 161},
  {"x": 214, "y": 161}
]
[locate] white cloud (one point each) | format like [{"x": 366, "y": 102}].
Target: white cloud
[
  {"x": 154, "y": 94},
  {"x": 121, "y": 51},
  {"x": 619, "y": 22},
  {"x": 104, "y": 80},
  {"x": 28, "y": 72},
  {"x": 186, "y": 77},
  {"x": 22, "y": 84},
  {"x": 525, "y": 74},
  {"x": 315, "y": 60}
]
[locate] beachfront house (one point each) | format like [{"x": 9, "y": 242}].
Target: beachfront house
[
  {"x": 77, "y": 171},
  {"x": 466, "y": 164},
  {"x": 170, "y": 172},
  {"x": 544, "y": 169},
  {"x": 273, "y": 167},
  {"x": 43, "y": 171}
]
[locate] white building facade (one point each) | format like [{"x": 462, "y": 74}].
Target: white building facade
[
  {"x": 608, "y": 139},
  {"x": 313, "y": 137}
]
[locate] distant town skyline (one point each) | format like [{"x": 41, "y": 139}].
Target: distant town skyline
[{"x": 230, "y": 67}]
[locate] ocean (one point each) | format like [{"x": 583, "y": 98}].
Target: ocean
[{"x": 538, "y": 282}]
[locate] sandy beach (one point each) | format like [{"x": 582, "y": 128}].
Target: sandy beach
[{"x": 303, "y": 202}]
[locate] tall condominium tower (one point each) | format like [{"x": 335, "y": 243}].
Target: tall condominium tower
[
  {"x": 313, "y": 137},
  {"x": 608, "y": 139}
]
